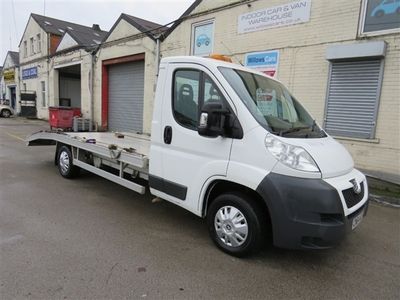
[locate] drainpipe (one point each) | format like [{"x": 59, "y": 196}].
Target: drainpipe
[
  {"x": 92, "y": 67},
  {"x": 157, "y": 55}
]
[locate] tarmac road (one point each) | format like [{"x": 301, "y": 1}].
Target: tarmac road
[{"x": 91, "y": 239}]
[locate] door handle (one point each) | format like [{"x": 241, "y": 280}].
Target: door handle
[{"x": 167, "y": 134}]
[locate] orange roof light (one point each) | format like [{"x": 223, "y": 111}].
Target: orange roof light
[{"x": 220, "y": 57}]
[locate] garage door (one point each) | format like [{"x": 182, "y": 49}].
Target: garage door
[{"x": 125, "y": 106}]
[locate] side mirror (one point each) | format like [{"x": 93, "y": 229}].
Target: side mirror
[{"x": 213, "y": 118}]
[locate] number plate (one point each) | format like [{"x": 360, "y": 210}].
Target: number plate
[{"x": 357, "y": 220}]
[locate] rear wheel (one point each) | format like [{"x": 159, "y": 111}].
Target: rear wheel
[
  {"x": 5, "y": 113},
  {"x": 65, "y": 164},
  {"x": 235, "y": 224}
]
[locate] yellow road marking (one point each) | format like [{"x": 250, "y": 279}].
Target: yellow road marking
[{"x": 15, "y": 136}]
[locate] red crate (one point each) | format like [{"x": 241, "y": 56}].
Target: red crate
[{"x": 62, "y": 117}]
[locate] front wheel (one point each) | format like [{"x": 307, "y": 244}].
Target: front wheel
[
  {"x": 235, "y": 224},
  {"x": 65, "y": 165},
  {"x": 5, "y": 113}
]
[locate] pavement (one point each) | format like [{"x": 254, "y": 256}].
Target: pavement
[{"x": 91, "y": 239}]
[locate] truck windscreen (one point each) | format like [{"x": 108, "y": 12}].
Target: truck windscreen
[{"x": 271, "y": 104}]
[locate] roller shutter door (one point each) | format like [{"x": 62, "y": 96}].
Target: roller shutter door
[
  {"x": 352, "y": 99},
  {"x": 126, "y": 89}
]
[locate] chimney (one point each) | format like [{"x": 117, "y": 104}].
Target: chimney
[{"x": 96, "y": 27}]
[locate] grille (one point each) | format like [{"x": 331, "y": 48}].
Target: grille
[{"x": 351, "y": 197}]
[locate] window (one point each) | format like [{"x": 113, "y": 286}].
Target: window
[
  {"x": 43, "y": 86},
  {"x": 380, "y": 16},
  {"x": 186, "y": 97},
  {"x": 25, "y": 87},
  {"x": 25, "y": 49},
  {"x": 353, "y": 97},
  {"x": 32, "y": 47},
  {"x": 271, "y": 104},
  {"x": 203, "y": 38},
  {"x": 192, "y": 88},
  {"x": 39, "y": 43}
]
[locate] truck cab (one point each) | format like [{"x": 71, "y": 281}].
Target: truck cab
[{"x": 235, "y": 146}]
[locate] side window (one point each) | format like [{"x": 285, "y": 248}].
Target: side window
[
  {"x": 211, "y": 92},
  {"x": 186, "y": 97}
]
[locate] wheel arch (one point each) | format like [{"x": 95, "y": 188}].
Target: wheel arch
[{"x": 220, "y": 186}]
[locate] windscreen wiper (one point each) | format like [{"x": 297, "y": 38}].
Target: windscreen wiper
[{"x": 294, "y": 129}]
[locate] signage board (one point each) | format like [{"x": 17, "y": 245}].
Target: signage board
[
  {"x": 266, "y": 62},
  {"x": 29, "y": 73},
  {"x": 9, "y": 76},
  {"x": 203, "y": 36},
  {"x": 276, "y": 16}
]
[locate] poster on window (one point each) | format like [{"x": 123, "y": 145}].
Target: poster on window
[
  {"x": 203, "y": 35},
  {"x": 381, "y": 15},
  {"x": 266, "y": 62}
]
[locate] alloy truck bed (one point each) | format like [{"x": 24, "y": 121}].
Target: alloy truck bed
[{"x": 126, "y": 153}]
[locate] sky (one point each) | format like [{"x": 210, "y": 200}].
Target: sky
[{"x": 14, "y": 14}]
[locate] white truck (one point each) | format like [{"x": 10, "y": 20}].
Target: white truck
[{"x": 233, "y": 146}]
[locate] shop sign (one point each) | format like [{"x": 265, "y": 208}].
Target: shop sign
[
  {"x": 9, "y": 76},
  {"x": 203, "y": 35},
  {"x": 29, "y": 73},
  {"x": 266, "y": 62},
  {"x": 277, "y": 16}
]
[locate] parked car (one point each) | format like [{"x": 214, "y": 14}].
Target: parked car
[
  {"x": 386, "y": 7},
  {"x": 5, "y": 110}
]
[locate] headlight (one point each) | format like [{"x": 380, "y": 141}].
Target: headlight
[{"x": 292, "y": 156}]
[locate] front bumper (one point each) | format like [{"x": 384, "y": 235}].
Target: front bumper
[{"x": 311, "y": 213}]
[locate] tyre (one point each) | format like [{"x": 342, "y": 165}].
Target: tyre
[
  {"x": 5, "y": 113},
  {"x": 235, "y": 224},
  {"x": 65, "y": 163}
]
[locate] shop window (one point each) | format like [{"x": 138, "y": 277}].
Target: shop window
[
  {"x": 39, "y": 43},
  {"x": 353, "y": 98},
  {"x": 32, "y": 46},
  {"x": 203, "y": 38},
  {"x": 43, "y": 91},
  {"x": 380, "y": 16}
]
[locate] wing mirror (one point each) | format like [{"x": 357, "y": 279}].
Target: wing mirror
[
  {"x": 216, "y": 120},
  {"x": 213, "y": 119}
]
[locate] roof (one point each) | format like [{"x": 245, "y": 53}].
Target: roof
[
  {"x": 14, "y": 56},
  {"x": 145, "y": 25},
  {"x": 87, "y": 37},
  {"x": 57, "y": 26},
  {"x": 151, "y": 29}
]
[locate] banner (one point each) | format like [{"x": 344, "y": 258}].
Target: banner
[
  {"x": 277, "y": 16},
  {"x": 29, "y": 73},
  {"x": 266, "y": 62},
  {"x": 9, "y": 76}
]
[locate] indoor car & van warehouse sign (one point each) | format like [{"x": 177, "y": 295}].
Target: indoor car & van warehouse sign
[{"x": 277, "y": 16}]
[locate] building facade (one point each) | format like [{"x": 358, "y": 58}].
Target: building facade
[{"x": 9, "y": 80}]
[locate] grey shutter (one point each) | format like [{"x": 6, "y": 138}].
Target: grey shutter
[
  {"x": 125, "y": 101},
  {"x": 352, "y": 98}
]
